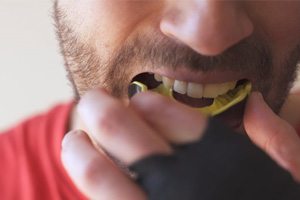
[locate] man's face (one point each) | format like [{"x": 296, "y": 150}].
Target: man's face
[{"x": 198, "y": 43}]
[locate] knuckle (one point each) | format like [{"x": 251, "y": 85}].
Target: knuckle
[
  {"x": 109, "y": 118},
  {"x": 274, "y": 142},
  {"x": 93, "y": 172},
  {"x": 278, "y": 137}
]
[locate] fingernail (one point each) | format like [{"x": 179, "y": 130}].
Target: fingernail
[
  {"x": 93, "y": 106},
  {"x": 255, "y": 111},
  {"x": 91, "y": 101},
  {"x": 256, "y": 96},
  {"x": 256, "y": 102},
  {"x": 68, "y": 137}
]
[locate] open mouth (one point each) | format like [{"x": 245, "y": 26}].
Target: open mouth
[{"x": 210, "y": 99}]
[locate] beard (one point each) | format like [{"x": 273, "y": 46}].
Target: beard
[{"x": 150, "y": 49}]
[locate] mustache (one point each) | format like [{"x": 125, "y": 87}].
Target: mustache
[{"x": 249, "y": 55}]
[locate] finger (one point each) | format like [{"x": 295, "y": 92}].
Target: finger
[
  {"x": 93, "y": 173},
  {"x": 177, "y": 122},
  {"x": 118, "y": 129},
  {"x": 274, "y": 135}
]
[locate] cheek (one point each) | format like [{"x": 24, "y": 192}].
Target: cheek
[
  {"x": 79, "y": 16},
  {"x": 105, "y": 24},
  {"x": 285, "y": 35},
  {"x": 278, "y": 22}
]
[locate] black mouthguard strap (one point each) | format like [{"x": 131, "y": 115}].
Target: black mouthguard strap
[{"x": 223, "y": 165}]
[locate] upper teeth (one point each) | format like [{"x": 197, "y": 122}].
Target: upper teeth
[
  {"x": 158, "y": 77},
  {"x": 196, "y": 90},
  {"x": 168, "y": 83},
  {"x": 180, "y": 86}
]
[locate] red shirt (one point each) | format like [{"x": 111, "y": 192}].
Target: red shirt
[{"x": 30, "y": 159}]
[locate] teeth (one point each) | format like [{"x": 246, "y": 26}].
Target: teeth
[
  {"x": 195, "y": 90},
  {"x": 225, "y": 87},
  {"x": 158, "y": 77},
  {"x": 168, "y": 83},
  {"x": 214, "y": 90},
  {"x": 180, "y": 86},
  {"x": 211, "y": 91}
]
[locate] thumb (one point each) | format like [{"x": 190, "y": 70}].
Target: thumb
[{"x": 272, "y": 134}]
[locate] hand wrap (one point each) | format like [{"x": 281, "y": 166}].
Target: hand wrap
[{"x": 223, "y": 165}]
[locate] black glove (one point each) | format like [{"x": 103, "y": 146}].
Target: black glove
[{"x": 223, "y": 165}]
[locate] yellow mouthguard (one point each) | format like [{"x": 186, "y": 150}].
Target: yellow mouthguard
[{"x": 220, "y": 103}]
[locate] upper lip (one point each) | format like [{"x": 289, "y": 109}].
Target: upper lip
[{"x": 210, "y": 77}]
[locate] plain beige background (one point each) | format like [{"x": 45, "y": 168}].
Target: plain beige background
[{"x": 32, "y": 77}]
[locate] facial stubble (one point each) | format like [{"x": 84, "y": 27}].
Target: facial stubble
[{"x": 151, "y": 49}]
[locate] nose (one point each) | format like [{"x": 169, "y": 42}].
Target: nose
[{"x": 207, "y": 26}]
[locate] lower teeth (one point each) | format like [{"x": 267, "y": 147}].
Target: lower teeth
[{"x": 219, "y": 105}]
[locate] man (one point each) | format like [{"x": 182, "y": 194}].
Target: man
[{"x": 196, "y": 47}]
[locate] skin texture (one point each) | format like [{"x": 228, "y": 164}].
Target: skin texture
[
  {"x": 106, "y": 43},
  {"x": 226, "y": 39}
]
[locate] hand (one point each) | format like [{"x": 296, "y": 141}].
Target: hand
[
  {"x": 272, "y": 134},
  {"x": 146, "y": 127}
]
